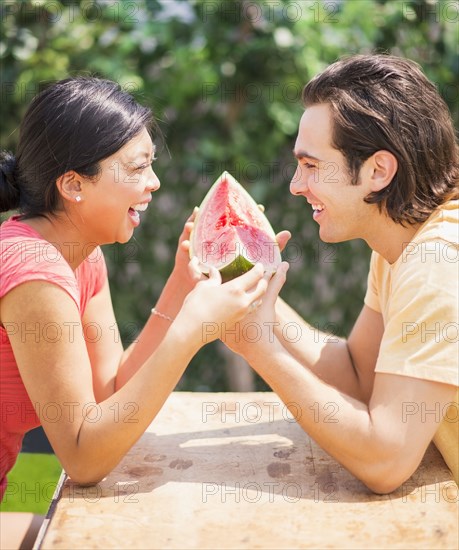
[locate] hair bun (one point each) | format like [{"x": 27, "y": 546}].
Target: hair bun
[
  {"x": 8, "y": 167},
  {"x": 9, "y": 189}
]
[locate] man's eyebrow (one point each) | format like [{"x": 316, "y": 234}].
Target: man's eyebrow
[{"x": 304, "y": 154}]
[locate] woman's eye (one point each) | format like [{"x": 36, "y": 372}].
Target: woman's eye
[
  {"x": 145, "y": 166},
  {"x": 309, "y": 165}
]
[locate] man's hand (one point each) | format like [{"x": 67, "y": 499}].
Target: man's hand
[{"x": 282, "y": 239}]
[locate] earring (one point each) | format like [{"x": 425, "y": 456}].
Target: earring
[{"x": 78, "y": 198}]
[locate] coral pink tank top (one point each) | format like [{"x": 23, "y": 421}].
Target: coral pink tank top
[{"x": 25, "y": 256}]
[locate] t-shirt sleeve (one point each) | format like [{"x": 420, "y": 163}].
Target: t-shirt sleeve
[
  {"x": 421, "y": 331},
  {"x": 371, "y": 297},
  {"x": 28, "y": 259}
]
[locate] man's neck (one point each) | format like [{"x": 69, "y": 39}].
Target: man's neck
[{"x": 390, "y": 238}]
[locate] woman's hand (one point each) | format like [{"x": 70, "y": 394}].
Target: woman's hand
[
  {"x": 182, "y": 280},
  {"x": 182, "y": 257},
  {"x": 212, "y": 306},
  {"x": 257, "y": 329}
]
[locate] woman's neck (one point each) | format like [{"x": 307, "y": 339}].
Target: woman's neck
[{"x": 62, "y": 233}]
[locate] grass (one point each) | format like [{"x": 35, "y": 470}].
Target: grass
[{"x": 31, "y": 483}]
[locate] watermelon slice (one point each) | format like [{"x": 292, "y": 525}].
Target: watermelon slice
[{"x": 231, "y": 233}]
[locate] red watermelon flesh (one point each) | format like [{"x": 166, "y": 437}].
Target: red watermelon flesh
[{"x": 231, "y": 233}]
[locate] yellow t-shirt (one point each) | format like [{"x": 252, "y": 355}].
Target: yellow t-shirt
[{"x": 418, "y": 297}]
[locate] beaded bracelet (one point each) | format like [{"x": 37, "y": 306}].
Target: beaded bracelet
[{"x": 154, "y": 311}]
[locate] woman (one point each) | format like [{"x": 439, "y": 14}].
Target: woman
[{"x": 81, "y": 176}]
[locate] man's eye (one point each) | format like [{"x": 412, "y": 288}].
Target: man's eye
[{"x": 309, "y": 165}]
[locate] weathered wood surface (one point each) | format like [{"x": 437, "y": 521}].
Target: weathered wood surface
[{"x": 234, "y": 470}]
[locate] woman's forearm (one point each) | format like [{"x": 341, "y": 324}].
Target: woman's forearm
[
  {"x": 156, "y": 327},
  {"x": 123, "y": 417}
]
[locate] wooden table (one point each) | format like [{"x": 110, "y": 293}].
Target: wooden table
[{"x": 234, "y": 470}]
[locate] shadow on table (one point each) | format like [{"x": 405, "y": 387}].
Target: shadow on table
[{"x": 270, "y": 460}]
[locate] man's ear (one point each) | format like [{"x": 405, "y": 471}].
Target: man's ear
[
  {"x": 380, "y": 170},
  {"x": 69, "y": 186}
]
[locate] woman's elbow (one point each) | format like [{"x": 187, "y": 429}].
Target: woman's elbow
[
  {"x": 86, "y": 481},
  {"x": 84, "y": 474}
]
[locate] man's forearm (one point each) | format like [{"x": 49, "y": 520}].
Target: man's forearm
[
  {"x": 341, "y": 424},
  {"x": 326, "y": 355}
]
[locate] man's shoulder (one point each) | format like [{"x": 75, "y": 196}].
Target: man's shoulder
[
  {"x": 435, "y": 246},
  {"x": 442, "y": 225}
]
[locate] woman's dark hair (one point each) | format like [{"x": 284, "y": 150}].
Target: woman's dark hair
[
  {"x": 72, "y": 125},
  {"x": 385, "y": 102}
]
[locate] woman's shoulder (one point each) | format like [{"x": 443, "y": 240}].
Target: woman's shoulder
[
  {"x": 26, "y": 256},
  {"x": 92, "y": 274},
  {"x": 14, "y": 229},
  {"x": 22, "y": 245}
]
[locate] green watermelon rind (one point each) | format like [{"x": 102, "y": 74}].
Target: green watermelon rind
[
  {"x": 240, "y": 264},
  {"x": 237, "y": 267}
]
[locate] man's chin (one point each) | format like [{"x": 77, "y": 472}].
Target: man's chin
[{"x": 329, "y": 238}]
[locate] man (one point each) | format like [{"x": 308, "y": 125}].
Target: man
[{"x": 377, "y": 160}]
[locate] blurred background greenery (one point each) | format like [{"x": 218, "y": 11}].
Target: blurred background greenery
[{"x": 224, "y": 79}]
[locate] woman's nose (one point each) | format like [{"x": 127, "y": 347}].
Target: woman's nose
[{"x": 153, "y": 182}]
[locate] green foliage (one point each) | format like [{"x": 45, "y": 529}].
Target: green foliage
[{"x": 224, "y": 79}]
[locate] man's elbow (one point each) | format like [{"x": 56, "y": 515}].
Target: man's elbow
[
  {"x": 384, "y": 486},
  {"x": 385, "y": 478}
]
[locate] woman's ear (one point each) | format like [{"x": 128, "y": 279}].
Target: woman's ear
[
  {"x": 380, "y": 169},
  {"x": 69, "y": 186}
]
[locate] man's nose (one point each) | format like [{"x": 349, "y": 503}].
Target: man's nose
[{"x": 298, "y": 182}]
